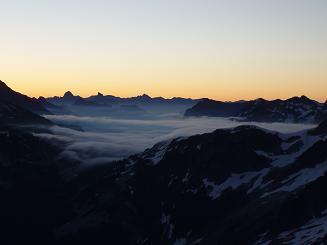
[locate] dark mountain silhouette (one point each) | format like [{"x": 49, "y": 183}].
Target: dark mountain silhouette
[
  {"x": 47, "y": 104},
  {"x": 110, "y": 100},
  {"x": 103, "y": 99},
  {"x": 295, "y": 110},
  {"x": 321, "y": 129},
  {"x": 68, "y": 98},
  {"x": 34, "y": 196},
  {"x": 12, "y": 114},
  {"x": 214, "y": 108},
  {"x": 9, "y": 95},
  {"x": 85, "y": 102}
]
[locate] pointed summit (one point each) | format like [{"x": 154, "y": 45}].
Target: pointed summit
[
  {"x": 260, "y": 100},
  {"x": 69, "y": 98},
  {"x": 100, "y": 94},
  {"x": 68, "y": 94},
  {"x": 41, "y": 98},
  {"x": 145, "y": 96},
  {"x": 302, "y": 100},
  {"x": 303, "y": 97}
]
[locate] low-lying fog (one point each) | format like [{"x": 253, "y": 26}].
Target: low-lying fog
[{"x": 103, "y": 139}]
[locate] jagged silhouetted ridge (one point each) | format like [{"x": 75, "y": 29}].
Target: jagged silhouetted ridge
[{"x": 11, "y": 96}]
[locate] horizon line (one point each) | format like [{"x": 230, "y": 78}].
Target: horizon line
[
  {"x": 181, "y": 97},
  {"x": 170, "y": 97}
]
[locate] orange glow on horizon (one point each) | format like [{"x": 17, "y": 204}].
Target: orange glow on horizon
[
  {"x": 216, "y": 49},
  {"x": 217, "y": 91}
]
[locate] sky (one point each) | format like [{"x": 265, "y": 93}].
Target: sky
[{"x": 222, "y": 49}]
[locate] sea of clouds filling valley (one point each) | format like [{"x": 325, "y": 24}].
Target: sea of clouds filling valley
[{"x": 104, "y": 139}]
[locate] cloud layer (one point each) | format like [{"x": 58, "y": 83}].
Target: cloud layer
[{"x": 105, "y": 139}]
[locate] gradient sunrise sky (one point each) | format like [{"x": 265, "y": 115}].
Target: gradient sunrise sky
[{"x": 222, "y": 49}]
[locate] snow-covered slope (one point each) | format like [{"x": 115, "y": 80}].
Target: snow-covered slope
[{"x": 266, "y": 187}]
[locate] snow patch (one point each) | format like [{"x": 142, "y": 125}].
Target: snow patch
[
  {"x": 159, "y": 154},
  {"x": 233, "y": 182},
  {"x": 284, "y": 160},
  {"x": 301, "y": 178},
  {"x": 312, "y": 232}
]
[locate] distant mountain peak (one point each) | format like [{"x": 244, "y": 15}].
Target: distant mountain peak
[
  {"x": 41, "y": 98},
  {"x": 100, "y": 94},
  {"x": 302, "y": 99},
  {"x": 68, "y": 94},
  {"x": 295, "y": 109},
  {"x": 145, "y": 96}
]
